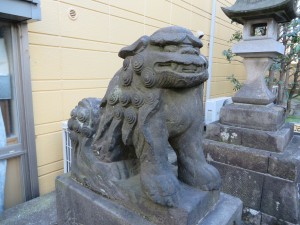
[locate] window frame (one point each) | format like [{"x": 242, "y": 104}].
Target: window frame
[{"x": 26, "y": 146}]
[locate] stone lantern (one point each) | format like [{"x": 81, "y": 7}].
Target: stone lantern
[
  {"x": 258, "y": 48},
  {"x": 259, "y": 45},
  {"x": 251, "y": 145}
]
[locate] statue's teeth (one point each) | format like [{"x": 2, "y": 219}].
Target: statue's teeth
[{"x": 174, "y": 66}]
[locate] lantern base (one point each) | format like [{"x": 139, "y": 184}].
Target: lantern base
[{"x": 268, "y": 118}]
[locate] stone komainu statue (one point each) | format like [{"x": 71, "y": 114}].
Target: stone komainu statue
[{"x": 153, "y": 105}]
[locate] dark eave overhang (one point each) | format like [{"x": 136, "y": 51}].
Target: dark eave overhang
[{"x": 281, "y": 10}]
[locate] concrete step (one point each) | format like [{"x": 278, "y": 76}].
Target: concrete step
[{"x": 39, "y": 211}]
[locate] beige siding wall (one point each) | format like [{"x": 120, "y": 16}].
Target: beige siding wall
[
  {"x": 73, "y": 59},
  {"x": 220, "y": 86}
]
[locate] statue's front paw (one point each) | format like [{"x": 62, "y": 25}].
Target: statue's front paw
[
  {"x": 211, "y": 178},
  {"x": 162, "y": 189},
  {"x": 205, "y": 177}
]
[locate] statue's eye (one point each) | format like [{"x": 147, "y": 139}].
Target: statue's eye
[{"x": 170, "y": 48}]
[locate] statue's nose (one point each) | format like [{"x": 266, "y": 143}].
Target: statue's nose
[{"x": 189, "y": 50}]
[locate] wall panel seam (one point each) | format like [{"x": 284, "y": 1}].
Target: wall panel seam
[{"x": 59, "y": 170}]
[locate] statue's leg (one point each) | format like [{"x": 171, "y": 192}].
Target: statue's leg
[
  {"x": 158, "y": 180},
  {"x": 192, "y": 166}
]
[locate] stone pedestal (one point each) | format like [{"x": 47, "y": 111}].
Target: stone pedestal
[
  {"x": 79, "y": 205},
  {"x": 254, "y": 126},
  {"x": 259, "y": 117},
  {"x": 258, "y": 159},
  {"x": 260, "y": 167}
]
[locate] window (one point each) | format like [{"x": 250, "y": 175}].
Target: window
[
  {"x": 17, "y": 140},
  {"x": 9, "y": 77},
  {"x": 7, "y": 98}
]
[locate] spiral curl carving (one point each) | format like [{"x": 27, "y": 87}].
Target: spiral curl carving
[
  {"x": 86, "y": 131},
  {"x": 73, "y": 113},
  {"x": 71, "y": 123},
  {"x": 137, "y": 100},
  {"x": 148, "y": 77},
  {"x": 76, "y": 127},
  {"x": 113, "y": 98},
  {"x": 150, "y": 98},
  {"x": 82, "y": 115},
  {"x": 130, "y": 116},
  {"x": 125, "y": 99},
  {"x": 137, "y": 63},
  {"x": 127, "y": 77},
  {"x": 118, "y": 113}
]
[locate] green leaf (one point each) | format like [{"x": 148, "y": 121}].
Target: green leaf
[{"x": 297, "y": 49}]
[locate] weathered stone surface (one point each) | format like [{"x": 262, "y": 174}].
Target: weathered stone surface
[
  {"x": 79, "y": 205},
  {"x": 223, "y": 133},
  {"x": 251, "y": 216},
  {"x": 193, "y": 205},
  {"x": 244, "y": 184},
  {"x": 151, "y": 106},
  {"x": 271, "y": 117},
  {"x": 280, "y": 199},
  {"x": 38, "y": 211},
  {"x": 257, "y": 120},
  {"x": 270, "y": 33},
  {"x": 273, "y": 190},
  {"x": 260, "y": 48},
  {"x": 274, "y": 141},
  {"x": 268, "y": 140},
  {"x": 227, "y": 211},
  {"x": 287, "y": 164},
  {"x": 234, "y": 155},
  {"x": 255, "y": 90},
  {"x": 270, "y": 220},
  {"x": 281, "y": 10}
]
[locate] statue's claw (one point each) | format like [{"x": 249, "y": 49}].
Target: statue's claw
[
  {"x": 161, "y": 189},
  {"x": 213, "y": 181},
  {"x": 205, "y": 177}
]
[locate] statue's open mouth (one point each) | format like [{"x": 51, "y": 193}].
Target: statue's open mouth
[{"x": 179, "y": 67}]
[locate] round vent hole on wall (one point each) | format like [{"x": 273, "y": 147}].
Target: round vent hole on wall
[{"x": 72, "y": 14}]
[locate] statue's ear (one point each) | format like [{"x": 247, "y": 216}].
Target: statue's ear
[{"x": 135, "y": 48}]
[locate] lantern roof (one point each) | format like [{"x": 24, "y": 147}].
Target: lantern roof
[{"x": 280, "y": 10}]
